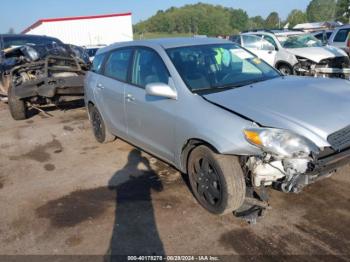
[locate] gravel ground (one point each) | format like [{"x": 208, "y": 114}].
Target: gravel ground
[{"x": 63, "y": 193}]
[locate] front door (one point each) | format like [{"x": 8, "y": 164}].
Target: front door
[{"x": 150, "y": 120}]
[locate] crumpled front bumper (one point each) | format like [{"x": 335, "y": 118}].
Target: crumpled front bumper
[
  {"x": 50, "y": 87},
  {"x": 324, "y": 71},
  {"x": 330, "y": 71},
  {"x": 325, "y": 165}
]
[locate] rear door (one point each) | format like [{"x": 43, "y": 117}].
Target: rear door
[
  {"x": 109, "y": 93},
  {"x": 150, "y": 119}
]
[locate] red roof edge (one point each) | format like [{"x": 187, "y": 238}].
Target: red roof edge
[{"x": 40, "y": 21}]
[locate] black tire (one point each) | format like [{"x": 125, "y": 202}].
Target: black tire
[
  {"x": 100, "y": 131},
  {"x": 285, "y": 69},
  {"x": 217, "y": 181},
  {"x": 18, "y": 107}
]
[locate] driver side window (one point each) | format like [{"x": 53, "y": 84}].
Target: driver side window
[
  {"x": 271, "y": 41},
  {"x": 148, "y": 68}
]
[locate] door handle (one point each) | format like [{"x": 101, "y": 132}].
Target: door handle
[
  {"x": 130, "y": 98},
  {"x": 99, "y": 86}
]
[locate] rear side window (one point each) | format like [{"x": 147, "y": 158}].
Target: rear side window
[
  {"x": 148, "y": 68},
  {"x": 342, "y": 35},
  {"x": 97, "y": 63},
  {"x": 117, "y": 64}
]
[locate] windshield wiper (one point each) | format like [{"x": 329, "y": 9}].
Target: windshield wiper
[{"x": 231, "y": 86}]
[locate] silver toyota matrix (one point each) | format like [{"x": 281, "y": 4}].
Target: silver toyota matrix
[{"x": 221, "y": 115}]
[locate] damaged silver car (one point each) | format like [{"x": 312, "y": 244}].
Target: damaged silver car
[
  {"x": 229, "y": 120},
  {"x": 40, "y": 70},
  {"x": 300, "y": 53}
]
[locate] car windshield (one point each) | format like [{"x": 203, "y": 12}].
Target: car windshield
[
  {"x": 299, "y": 41},
  {"x": 14, "y": 41},
  {"x": 211, "y": 68}
]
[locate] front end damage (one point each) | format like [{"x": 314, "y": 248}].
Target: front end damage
[
  {"x": 46, "y": 71},
  {"x": 53, "y": 80},
  {"x": 297, "y": 166},
  {"x": 37, "y": 75},
  {"x": 338, "y": 67},
  {"x": 292, "y": 175}
]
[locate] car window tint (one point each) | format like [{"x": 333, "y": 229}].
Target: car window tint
[
  {"x": 236, "y": 39},
  {"x": 342, "y": 35},
  {"x": 148, "y": 68},
  {"x": 319, "y": 36},
  {"x": 329, "y": 34},
  {"x": 97, "y": 63},
  {"x": 271, "y": 40},
  {"x": 117, "y": 64}
]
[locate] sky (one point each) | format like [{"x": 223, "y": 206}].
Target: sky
[{"x": 19, "y": 14}]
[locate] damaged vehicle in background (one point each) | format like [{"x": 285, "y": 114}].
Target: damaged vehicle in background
[
  {"x": 220, "y": 114},
  {"x": 40, "y": 70},
  {"x": 300, "y": 53}
]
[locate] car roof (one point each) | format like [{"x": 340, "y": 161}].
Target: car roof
[
  {"x": 25, "y": 36},
  {"x": 343, "y": 27},
  {"x": 274, "y": 32},
  {"x": 167, "y": 43}
]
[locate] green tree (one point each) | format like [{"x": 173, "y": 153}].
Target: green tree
[
  {"x": 321, "y": 10},
  {"x": 272, "y": 21},
  {"x": 342, "y": 11},
  {"x": 296, "y": 17},
  {"x": 256, "y": 22},
  {"x": 199, "y": 18},
  {"x": 239, "y": 19}
]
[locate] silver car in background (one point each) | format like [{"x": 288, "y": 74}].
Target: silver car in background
[{"x": 221, "y": 115}]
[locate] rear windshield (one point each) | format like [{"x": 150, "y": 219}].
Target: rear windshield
[{"x": 14, "y": 41}]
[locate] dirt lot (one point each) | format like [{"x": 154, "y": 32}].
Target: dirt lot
[{"x": 63, "y": 193}]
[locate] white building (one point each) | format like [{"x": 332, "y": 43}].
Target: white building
[{"x": 86, "y": 30}]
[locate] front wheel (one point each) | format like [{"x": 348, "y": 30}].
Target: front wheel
[
  {"x": 217, "y": 180},
  {"x": 18, "y": 107},
  {"x": 285, "y": 70}
]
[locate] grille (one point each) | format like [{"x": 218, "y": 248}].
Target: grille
[{"x": 340, "y": 139}]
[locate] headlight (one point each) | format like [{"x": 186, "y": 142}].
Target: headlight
[{"x": 281, "y": 143}]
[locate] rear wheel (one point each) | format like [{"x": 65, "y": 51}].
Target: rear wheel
[
  {"x": 18, "y": 107},
  {"x": 101, "y": 133},
  {"x": 217, "y": 180}
]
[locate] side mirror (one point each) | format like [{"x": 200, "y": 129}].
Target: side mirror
[{"x": 161, "y": 90}]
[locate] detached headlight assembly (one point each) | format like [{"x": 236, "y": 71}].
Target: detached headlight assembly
[{"x": 281, "y": 143}]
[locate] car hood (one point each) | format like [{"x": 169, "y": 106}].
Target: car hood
[
  {"x": 316, "y": 54},
  {"x": 312, "y": 107}
]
